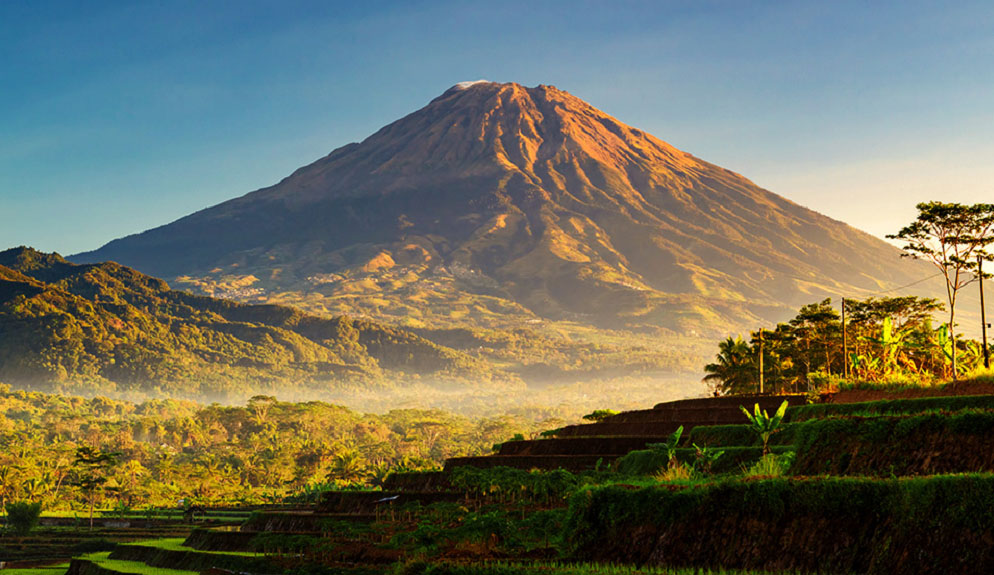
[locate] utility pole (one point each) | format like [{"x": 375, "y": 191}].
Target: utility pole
[
  {"x": 760, "y": 361},
  {"x": 983, "y": 314},
  {"x": 845, "y": 343}
]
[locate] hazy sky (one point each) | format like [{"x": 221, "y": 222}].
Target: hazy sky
[{"x": 120, "y": 116}]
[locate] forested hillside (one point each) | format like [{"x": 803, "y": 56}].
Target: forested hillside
[
  {"x": 105, "y": 327},
  {"x": 167, "y": 450}
]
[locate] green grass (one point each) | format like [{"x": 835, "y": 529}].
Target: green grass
[
  {"x": 134, "y": 567},
  {"x": 726, "y": 436},
  {"x": 176, "y": 544},
  {"x": 894, "y": 445},
  {"x": 892, "y": 407},
  {"x": 873, "y": 523},
  {"x": 905, "y": 382},
  {"x": 59, "y": 569},
  {"x": 651, "y": 461},
  {"x": 105, "y": 514}
]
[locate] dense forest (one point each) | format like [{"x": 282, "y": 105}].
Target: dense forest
[
  {"x": 887, "y": 341},
  {"x": 68, "y": 451}
]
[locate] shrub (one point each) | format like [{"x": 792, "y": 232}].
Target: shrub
[
  {"x": 771, "y": 465},
  {"x": 23, "y": 516},
  {"x": 934, "y": 524},
  {"x": 675, "y": 469},
  {"x": 93, "y": 546},
  {"x": 725, "y": 435},
  {"x": 733, "y": 459},
  {"x": 507, "y": 484},
  {"x": 675, "y": 472},
  {"x": 912, "y": 445},
  {"x": 892, "y": 382},
  {"x": 599, "y": 414},
  {"x": 705, "y": 458},
  {"x": 823, "y": 382}
]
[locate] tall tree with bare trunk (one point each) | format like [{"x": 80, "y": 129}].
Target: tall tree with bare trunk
[{"x": 950, "y": 236}]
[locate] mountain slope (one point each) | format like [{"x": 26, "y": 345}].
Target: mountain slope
[
  {"x": 497, "y": 204},
  {"x": 105, "y": 327}
]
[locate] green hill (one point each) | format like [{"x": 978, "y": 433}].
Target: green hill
[{"x": 106, "y": 327}]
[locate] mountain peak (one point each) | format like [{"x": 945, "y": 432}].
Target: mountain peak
[
  {"x": 469, "y": 84},
  {"x": 488, "y": 89},
  {"x": 534, "y": 203},
  {"x": 541, "y": 135}
]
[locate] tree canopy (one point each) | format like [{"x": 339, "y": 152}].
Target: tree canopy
[{"x": 953, "y": 237}]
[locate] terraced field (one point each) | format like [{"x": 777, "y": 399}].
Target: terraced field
[
  {"x": 61, "y": 543},
  {"x": 593, "y": 445},
  {"x": 898, "y": 486}
]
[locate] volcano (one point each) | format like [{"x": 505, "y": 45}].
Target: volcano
[{"x": 498, "y": 203}]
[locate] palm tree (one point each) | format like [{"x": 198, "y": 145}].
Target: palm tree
[
  {"x": 348, "y": 466},
  {"x": 734, "y": 370},
  {"x": 34, "y": 488}
]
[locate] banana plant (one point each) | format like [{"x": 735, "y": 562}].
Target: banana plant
[
  {"x": 890, "y": 341},
  {"x": 669, "y": 446},
  {"x": 764, "y": 425},
  {"x": 863, "y": 366},
  {"x": 971, "y": 358},
  {"x": 704, "y": 458},
  {"x": 945, "y": 344}
]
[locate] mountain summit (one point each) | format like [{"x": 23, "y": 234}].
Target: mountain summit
[{"x": 498, "y": 202}]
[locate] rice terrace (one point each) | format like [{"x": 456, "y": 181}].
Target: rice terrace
[{"x": 507, "y": 332}]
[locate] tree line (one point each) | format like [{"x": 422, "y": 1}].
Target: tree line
[
  {"x": 881, "y": 339},
  {"x": 71, "y": 453},
  {"x": 887, "y": 340}
]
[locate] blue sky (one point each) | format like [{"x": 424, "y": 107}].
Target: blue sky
[{"x": 116, "y": 117}]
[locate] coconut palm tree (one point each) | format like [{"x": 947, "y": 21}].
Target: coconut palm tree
[
  {"x": 734, "y": 370},
  {"x": 348, "y": 466}
]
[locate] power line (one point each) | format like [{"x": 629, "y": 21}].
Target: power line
[
  {"x": 909, "y": 285},
  {"x": 881, "y": 292}
]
